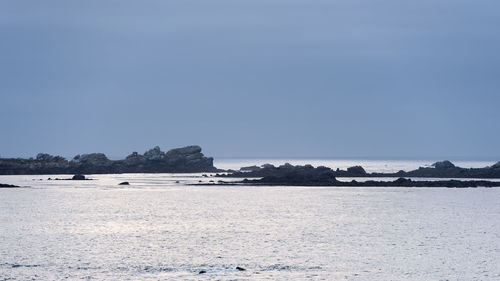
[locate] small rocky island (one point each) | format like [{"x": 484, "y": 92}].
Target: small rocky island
[
  {"x": 187, "y": 159},
  {"x": 289, "y": 175},
  {"x": 443, "y": 169}
]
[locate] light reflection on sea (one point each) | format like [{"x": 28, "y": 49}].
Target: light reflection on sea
[{"x": 157, "y": 229}]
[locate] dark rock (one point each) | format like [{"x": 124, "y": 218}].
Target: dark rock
[
  {"x": 78, "y": 177},
  {"x": 443, "y": 169},
  {"x": 202, "y": 272},
  {"x": 3, "y": 185},
  {"x": 401, "y": 182},
  {"x": 443, "y": 165},
  {"x": 44, "y": 157},
  {"x": 92, "y": 159},
  {"x": 297, "y": 175},
  {"x": 356, "y": 170},
  {"x": 134, "y": 159},
  {"x": 250, "y": 169},
  {"x": 124, "y": 183},
  {"x": 267, "y": 166},
  {"x": 154, "y": 154},
  {"x": 307, "y": 175},
  {"x": 240, "y": 268},
  {"x": 193, "y": 149}
]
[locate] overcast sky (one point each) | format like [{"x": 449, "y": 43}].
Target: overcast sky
[{"x": 252, "y": 78}]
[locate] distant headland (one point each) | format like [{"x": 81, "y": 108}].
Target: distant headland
[{"x": 187, "y": 159}]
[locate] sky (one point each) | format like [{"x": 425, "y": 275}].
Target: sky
[{"x": 251, "y": 78}]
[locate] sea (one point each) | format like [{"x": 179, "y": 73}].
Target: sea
[{"x": 165, "y": 227}]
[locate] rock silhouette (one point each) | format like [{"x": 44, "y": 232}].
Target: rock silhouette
[
  {"x": 180, "y": 160},
  {"x": 443, "y": 169},
  {"x": 307, "y": 175}
]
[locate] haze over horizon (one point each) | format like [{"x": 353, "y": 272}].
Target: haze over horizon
[{"x": 275, "y": 78}]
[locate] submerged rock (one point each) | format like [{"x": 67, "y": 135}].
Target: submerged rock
[{"x": 3, "y": 185}]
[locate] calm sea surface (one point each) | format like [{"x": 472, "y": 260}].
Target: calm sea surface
[{"x": 158, "y": 229}]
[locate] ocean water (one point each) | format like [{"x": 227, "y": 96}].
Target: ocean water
[{"x": 161, "y": 228}]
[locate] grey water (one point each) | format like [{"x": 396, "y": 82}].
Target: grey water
[{"x": 162, "y": 228}]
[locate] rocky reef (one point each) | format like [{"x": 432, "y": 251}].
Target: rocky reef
[
  {"x": 289, "y": 175},
  {"x": 443, "y": 169},
  {"x": 187, "y": 159}
]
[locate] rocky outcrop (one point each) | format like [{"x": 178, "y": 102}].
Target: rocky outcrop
[
  {"x": 154, "y": 154},
  {"x": 443, "y": 169},
  {"x": 283, "y": 170},
  {"x": 93, "y": 163},
  {"x": 443, "y": 165},
  {"x": 307, "y": 175},
  {"x": 356, "y": 170},
  {"x": 250, "y": 169},
  {"x": 189, "y": 156},
  {"x": 181, "y": 160},
  {"x": 446, "y": 169}
]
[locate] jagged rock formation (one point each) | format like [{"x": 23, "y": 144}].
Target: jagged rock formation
[
  {"x": 443, "y": 169},
  {"x": 181, "y": 160},
  {"x": 446, "y": 169},
  {"x": 307, "y": 175}
]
